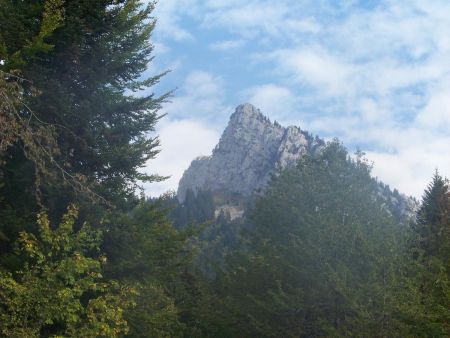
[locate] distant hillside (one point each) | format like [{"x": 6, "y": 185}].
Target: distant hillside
[{"x": 250, "y": 150}]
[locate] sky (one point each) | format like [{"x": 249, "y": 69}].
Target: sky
[{"x": 375, "y": 74}]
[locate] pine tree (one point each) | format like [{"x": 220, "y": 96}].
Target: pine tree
[
  {"x": 426, "y": 301},
  {"x": 82, "y": 62},
  {"x": 82, "y": 65},
  {"x": 433, "y": 218},
  {"x": 26, "y": 143},
  {"x": 88, "y": 76}
]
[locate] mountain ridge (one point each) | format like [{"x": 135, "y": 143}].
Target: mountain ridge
[{"x": 250, "y": 149}]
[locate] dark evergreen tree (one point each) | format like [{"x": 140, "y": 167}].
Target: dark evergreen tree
[
  {"x": 91, "y": 90},
  {"x": 196, "y": 208},
  {"x": 425, "y": 305},
  {"x": 433, "y": 218},
  {"x": 83, "y": 63},
  {"x": 27, "y": 145}
]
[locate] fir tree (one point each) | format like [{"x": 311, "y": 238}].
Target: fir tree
[
  {"x": 88, "y": 76},
  {"x": 83, "y": 63},
  {"x": 433, "y": 218},
  {"x": 425, "y": 306}
]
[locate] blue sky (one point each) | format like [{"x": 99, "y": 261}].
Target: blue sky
[{"x": 376, "y": 74}]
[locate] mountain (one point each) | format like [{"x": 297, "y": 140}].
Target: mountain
[{"x": 252, "y": 149}]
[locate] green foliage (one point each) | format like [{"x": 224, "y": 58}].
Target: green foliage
[
  {"x": 61, "y": 291},
  {"x": 155, "y": 313},
  {"x": 197, "y": 208},
  {"x": 320, "y": 261},
  {"x": 155, "y": 249},
  {"x": 75, "y": 125},
  {"x": 425, "y": 305},
  {"x": 77, "y": 129},
  {"x": 323, "y": 254},
  {"x": 24, "y": 29},
  {"x": 433, "y": 219},
  {"x": 89, "y": 81},
  {"x": 85, "y": 61},
  {"x": 148, "y": 253}
]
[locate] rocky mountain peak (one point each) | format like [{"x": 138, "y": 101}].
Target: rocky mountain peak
[
  {"x": 250, "y": 149},
  {"x": 247, "y": 113}
]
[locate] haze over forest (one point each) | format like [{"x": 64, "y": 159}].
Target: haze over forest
[{"x": 321, "y": 208}]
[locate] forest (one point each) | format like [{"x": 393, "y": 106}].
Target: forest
[{"x": 84, "y": 253}]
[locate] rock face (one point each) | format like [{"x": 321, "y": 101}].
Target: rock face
[{"x": 250, "y": 150}]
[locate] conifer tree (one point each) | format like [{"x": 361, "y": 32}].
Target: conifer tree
[
  {"x": 86, "y": 65},
  {"x": 425, "y": 306},
  {"x": 82, "y": 62},
  {"x": 433, "y": 218},
  {"x": 26, "y": 143}
]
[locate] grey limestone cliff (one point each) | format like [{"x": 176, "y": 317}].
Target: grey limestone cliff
[{"x": 250, "y": 150}]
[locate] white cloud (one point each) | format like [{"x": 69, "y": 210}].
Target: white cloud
[
  {"x": 181, "y": 141},
  {"x": 227, "y": 45},
  {"x": 160, "y": 48},
  {"x": 377, "y": 77},
  {"x": 272, "y": 99},
  {"x": 316, "y": 67},
  {"x": 372, "y": 112},
  {"x": 169, "y": 14},
  {"x": 410, "y": 168},
  {"x": 384, "y": 73},
  {"x": 436, "y": 113},
  {"x": 259, "y": 19},
  {"x": 249, "y": 18},
  {"x": 185, "y": 132},
  {"x": 201, "y": 95}
]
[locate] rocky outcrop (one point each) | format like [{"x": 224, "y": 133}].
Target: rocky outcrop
[
  {"x": 250, "y": 150},
  {"x": 230, "y": 212}
]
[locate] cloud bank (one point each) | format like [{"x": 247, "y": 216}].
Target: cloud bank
[{"x": 376, "y": 74}]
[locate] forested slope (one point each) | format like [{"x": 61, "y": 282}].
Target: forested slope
[{"x": 319, "y": 252}]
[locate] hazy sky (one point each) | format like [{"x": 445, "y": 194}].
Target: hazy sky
[{"x": 376, "y": 74}]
